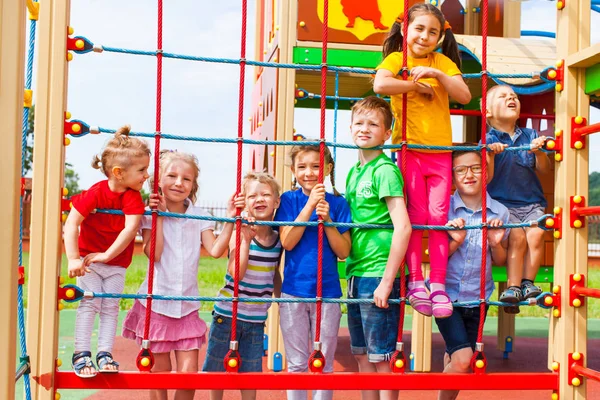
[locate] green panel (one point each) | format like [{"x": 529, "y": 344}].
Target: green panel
[
  {"x": 545, "y": 274},
  {"x": 592, "y": 80},
  {"x": 338, "y": 57}
]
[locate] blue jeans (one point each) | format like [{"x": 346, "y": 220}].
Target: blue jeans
[
  {"x": 460, "y": 329},
  {"x": 373, "y": 330},
  {"x": 250, "y": 344}
]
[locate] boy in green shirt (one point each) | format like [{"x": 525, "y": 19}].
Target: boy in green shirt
[{"x": 374, "y": 192}]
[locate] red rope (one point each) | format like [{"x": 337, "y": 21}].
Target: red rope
[
  {"x": 156, "y": 166},
  {"x": 404, "y": 154},
  {"x": 484, "y": 88},
  {"x": 322, "y": 164},
  {"x": 238, "y": 222}
]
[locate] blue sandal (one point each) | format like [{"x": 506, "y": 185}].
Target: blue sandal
[
  {"x": 82, "y": 360},
  {"x": 104, "y": 358}
]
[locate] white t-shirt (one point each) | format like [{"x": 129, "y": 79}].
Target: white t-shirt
[{"x": 176, "y": 274}]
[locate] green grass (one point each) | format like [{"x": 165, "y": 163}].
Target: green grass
[{"x": 211, "y": 275}]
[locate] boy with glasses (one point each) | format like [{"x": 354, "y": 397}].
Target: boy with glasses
[{"x": 464, "y": 265}]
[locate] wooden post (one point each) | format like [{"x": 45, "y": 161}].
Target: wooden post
[
  {"x": 48, "y": 163},
  {"x": 568, "y": 332},
  {"x": 12, "y": 56},
  {"x": 420, "y": 343}
]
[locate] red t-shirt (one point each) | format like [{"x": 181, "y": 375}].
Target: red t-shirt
[{"x": 98, "y": 230}]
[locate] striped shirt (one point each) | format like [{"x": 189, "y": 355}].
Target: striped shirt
[{"x": 257, "y": 283}]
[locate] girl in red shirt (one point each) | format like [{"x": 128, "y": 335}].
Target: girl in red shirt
[{"x": 99, "y": 246}]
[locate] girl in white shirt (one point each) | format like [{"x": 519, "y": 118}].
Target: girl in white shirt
[{"x": 175, "y": 325}]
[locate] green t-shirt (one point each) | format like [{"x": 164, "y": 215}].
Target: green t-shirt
[{"x": 367, "y": 187}]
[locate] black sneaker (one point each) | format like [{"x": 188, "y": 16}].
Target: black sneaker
[{"x": 511, "y": 295}]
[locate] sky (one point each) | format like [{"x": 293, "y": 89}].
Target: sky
[{"x": 199, "y": 99}]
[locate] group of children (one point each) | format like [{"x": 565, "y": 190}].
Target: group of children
[{"x": 376, "y": 193}]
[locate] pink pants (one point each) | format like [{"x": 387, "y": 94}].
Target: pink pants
[{"x": 428, "y": 181}]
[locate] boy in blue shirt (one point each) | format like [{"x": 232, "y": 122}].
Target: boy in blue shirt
[
  {"x": 464, "y": 265},
  {"x": 516, "y": 185}
]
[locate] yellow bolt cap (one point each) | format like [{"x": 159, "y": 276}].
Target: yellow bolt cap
[
  {"x": 558, "y": 157},
  {"x": 576, "y": 381},
  {"x": 576, "y": 356},
  {"x": 67, "y": 141},
  {"x": 551, "y": 144},
  {"x": 58, "y": 362},
  {"x": 558, "y": 132},
  {"x": 556, "y": 235},
  {"x": 70, "y": 293},
  {"x": 577, "y": 199},
  {"x": 232, "y": 363},
  {"x": 576, "y": 303},
  {"x": 578, "y": 145},
  {"x": 577, "y": 277},
  {"x": 559, "y": 63},
  {"x": 548, "y": 300},
  {"x": 145, "y": 361},
  {"x": 67, "y": 115},
  {"x": 317, "y": 363},
  {"x": 555, "y": 366},
  {"x": 65, "y": 192},
  {"x": 556, "y": 313},
  {"x": 79, "y": 43},
  {"x": 558, "y": 87},
  {"x": 550, "y": 222},
  {"x": 577, "y": 224},
  {"x": 272, "y": 154},
  {"x": 554, "y": 396},
  {"x": 557, "y": 210},
  {"x": 56, "y": 396},
  {"x": 479, "y": 363},
  {"x": 578, "y": 119},
  {"x": 399, "y": 363},
  {"x": 302, "y": 24},
  {"x": 70, "y": 30},
  {"x": 60, "y": 306},
  {"x": 552, "y": 74}
]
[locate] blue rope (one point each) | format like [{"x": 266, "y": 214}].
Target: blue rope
[
  {"x": 142, "y": 296},
  {"x": 540, "y": 222},
  {"x": 335, "y": 113},
  {"x": 307, "y": 143},
  {"x": 25, "y": 126},
  {"x": 310, "y": 67}
]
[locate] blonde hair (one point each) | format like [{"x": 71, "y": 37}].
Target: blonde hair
[
  {"x": 374, "y": 103},
  {"x": 261, "y": 177},
  {"x": 490, "y": 92},
  {"x": 299, "y": 148},
  {"x": 167, "y": 157},
  {"x": 120, "y": 151}
]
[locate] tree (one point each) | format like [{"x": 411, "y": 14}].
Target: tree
[
  {"x": 71, "y": 180},
  {"x": 594, "y": 189}
]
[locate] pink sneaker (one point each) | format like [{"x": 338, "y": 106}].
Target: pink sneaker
[
  {"x": 441, "y": 309},
  {"x": 420, "y": 304}
]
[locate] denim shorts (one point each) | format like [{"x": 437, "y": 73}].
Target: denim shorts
[
  {"x": 373, "y": 330},
  {"x": 250, "y": 344},
  {"x": 526, "y": 213},
  {"x": 460, "y": 329}
]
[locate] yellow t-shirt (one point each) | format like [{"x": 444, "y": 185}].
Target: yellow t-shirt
[{"x": 428, "y": 121}]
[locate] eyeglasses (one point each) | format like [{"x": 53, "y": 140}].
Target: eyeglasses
[{"x": 462, "y": 169}]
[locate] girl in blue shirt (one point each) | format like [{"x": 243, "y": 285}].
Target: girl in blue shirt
[{"x": 298, "y": 320}]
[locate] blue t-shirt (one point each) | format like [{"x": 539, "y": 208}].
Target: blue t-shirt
[
  {"x": 515, "y": 183},
  {"x": 300, "y": 271}
]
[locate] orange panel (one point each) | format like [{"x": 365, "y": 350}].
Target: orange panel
[{"x": 350, "y": 21}]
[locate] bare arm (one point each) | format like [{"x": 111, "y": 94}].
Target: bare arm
[
  {"x": 216, "y": 246},
  {"x": 400, "y": 237},
  {"x": 387, "y": 83},
  {"x": 499, "y": 253},
  {"x": 457, "y": 237},
  {"x": 244, "y": 251},
  {"x": 340, "y": 242},
  {"x": 456, "y": 87},
  {"x": 542, "y": 162},
  {"x": 291, "y": 235},
  {"x": 159, "y": 244},
  {"x": 71, "y": 239}
]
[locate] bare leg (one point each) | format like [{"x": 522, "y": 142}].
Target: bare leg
[
  {"x": 365, "y": 366},
  {"x": 187, "y": 361},
  {"x": 535, "y": 252},
  {"x": 216, "y": 395},
  {"x": 386, "y": 394},
  {"x": 162, "y": 362},
  {"x": 459, "y": 363},
  {"x": 517, "y": 246},
  {"x": 248, "y": 394}
]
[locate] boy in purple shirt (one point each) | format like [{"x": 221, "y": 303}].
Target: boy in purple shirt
[
  {"x": 516, "y": 185},
  {"x": 464, "y": 265}
]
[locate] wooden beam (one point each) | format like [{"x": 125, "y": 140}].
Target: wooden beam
[
  {"x": 12, "y": 56},
  {"x": 584, "y": 58}
]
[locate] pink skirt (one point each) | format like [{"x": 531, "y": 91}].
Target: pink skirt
[{"x": 166, "y": 333}]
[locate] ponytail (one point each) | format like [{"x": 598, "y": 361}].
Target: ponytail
[
  {"x": 393, "y": 42},
  {"x": 449, "y": 45}
]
